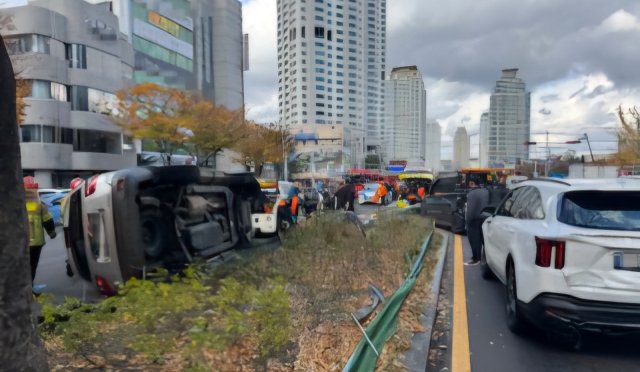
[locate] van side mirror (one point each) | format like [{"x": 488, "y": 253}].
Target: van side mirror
[{"x": 488, "y": 211}]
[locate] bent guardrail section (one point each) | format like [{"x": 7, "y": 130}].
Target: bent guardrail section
[{"x": 383, "y": 326}]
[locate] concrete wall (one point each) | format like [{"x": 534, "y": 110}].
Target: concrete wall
[{"x": 593, "y": 171}]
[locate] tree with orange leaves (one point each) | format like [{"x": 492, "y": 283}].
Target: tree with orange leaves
[
  {"x": 265, "y": 143},
  {"x": 23, "y": 89},
  {"x": 175, "y": 119}
]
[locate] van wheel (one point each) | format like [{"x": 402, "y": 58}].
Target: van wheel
[
  {"x": 485, "y": 270},
  {"x": 153, "y": 230},
  {"x": 515, "y": 320}
]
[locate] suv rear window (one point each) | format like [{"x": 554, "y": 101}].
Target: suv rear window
[
  {"x": 610, "y": 210},
  {"x": 444, "y": 185}
]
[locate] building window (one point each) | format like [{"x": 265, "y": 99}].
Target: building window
[
  {"x": 303, "y": 32},
  {"x": 98, "y": 142},
  {"x": 321, "y": 113},
  {"x": 30, "y": 133},
  {"x": 329, "y": 35},
  {"x": 319, "y": 78},
  {"x": 66, "y": 136},
  {"x": 76, "y": 55},
  {"x": 92, "y": 100},
  {"x": 319, "y": 87},
  {"x": 319, "y": 32},
  {"x": 44, "y": 89},
  {"x": 27, "y": 44},
  {"x": 319, "y": 62}
]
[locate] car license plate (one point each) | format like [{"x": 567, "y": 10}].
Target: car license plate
[{"x": 626, "y": 261}]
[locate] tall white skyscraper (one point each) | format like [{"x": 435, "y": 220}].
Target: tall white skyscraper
[
  {"x": 509, "y": 119},
  {"x": 483, "y": 141},
  {"x": 433, "y": 135},
  {"x": 461, "y": 149},
  {"x": 403, "y": 136},
  {"x": 331, "y": 67}
]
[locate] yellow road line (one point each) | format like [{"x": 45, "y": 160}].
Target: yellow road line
[{"x": 460, "y": 358}]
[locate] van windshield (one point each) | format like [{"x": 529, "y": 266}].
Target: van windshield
[{"x": 610, "y": 210}]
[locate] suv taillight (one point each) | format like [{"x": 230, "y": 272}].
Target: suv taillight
[
  {"x": 544, "y": 250},
  {"x": 91, "y": 187}
]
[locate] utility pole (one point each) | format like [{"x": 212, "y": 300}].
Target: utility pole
[
  {"x": 546, "y": 163},
  {"x": 284, "y": 154},
  {"x": 593, "y": 160}
]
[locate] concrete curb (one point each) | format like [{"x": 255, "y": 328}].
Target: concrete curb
[{"x": 416, "y": 358}]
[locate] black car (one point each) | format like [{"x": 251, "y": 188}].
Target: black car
[{"x": 447, "y": 198}]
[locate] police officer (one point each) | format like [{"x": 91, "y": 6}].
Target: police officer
[{"x": 39, "y": 219}]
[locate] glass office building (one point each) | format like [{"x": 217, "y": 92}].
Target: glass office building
[{"x": 509, "y": 120}]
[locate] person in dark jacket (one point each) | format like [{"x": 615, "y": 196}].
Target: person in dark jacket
[
  {"x": 345, "y": 196},
  {"x": 477, "y": 200}
]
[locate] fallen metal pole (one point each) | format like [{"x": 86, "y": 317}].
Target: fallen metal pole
[{"x": 365, "y": 334}]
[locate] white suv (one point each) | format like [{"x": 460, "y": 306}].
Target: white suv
[{"x": 569, "y": 254}]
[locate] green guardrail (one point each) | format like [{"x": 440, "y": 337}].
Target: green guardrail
[{"x": 383, "y": 326}]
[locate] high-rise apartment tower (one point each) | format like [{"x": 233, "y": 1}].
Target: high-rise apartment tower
[
  {"x": 509, "y": 119},
  {"x": 331, "y": 63}
]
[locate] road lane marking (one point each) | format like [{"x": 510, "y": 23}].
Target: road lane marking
[{"x": 460, "y": 359}]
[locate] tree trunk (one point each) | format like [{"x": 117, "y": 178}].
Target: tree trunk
[{"x": 20, "y": 347}]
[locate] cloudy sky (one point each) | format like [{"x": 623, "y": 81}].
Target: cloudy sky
[{"x": 579, "y": 58}]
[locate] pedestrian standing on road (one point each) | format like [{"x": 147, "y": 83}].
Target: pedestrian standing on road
[
  {"x": 477, "y": 200},
  {"x": 39, "y": 220},
  {"x": 345, "y": 197}
]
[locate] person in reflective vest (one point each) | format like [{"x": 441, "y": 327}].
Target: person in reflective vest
[
  {"x": 421, "y": 192},
  {"x": 296, "y": 203},
  {"x": 39, "y": 220}
]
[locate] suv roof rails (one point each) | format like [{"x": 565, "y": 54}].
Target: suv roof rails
[{"x": 548, "y": 179}]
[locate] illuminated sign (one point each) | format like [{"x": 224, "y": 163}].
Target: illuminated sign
[{"x": 164, "y": 23}]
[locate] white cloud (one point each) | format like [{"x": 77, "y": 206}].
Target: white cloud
[
  {"x": 620, "y": 21},
  {"x": 261, "y": 81},
  {"x": 579, "y": 66}
]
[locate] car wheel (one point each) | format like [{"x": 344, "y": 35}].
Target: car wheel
[
  {"x": 153, "y": 231},
  {"x": 485, "y": 270},
  {"x": 515, "y": 320}
]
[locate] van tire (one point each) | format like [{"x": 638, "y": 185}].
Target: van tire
[{"x": 153, "y": 233}]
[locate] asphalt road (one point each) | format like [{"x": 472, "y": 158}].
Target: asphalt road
[
  {"x": 52, "y": 271},
  {"x": 494, "y": 348},
  {"x": 366, "y": 209}
]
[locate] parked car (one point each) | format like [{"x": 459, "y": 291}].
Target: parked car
[
  {"x": 366, "y": 194},
  {"x": 121, "y": 224},
  {"x": 447, "y": 197},
  {"x": 568, "y": 252}
]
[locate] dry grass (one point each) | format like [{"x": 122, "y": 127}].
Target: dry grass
[{"x": 325, "y": 267}]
